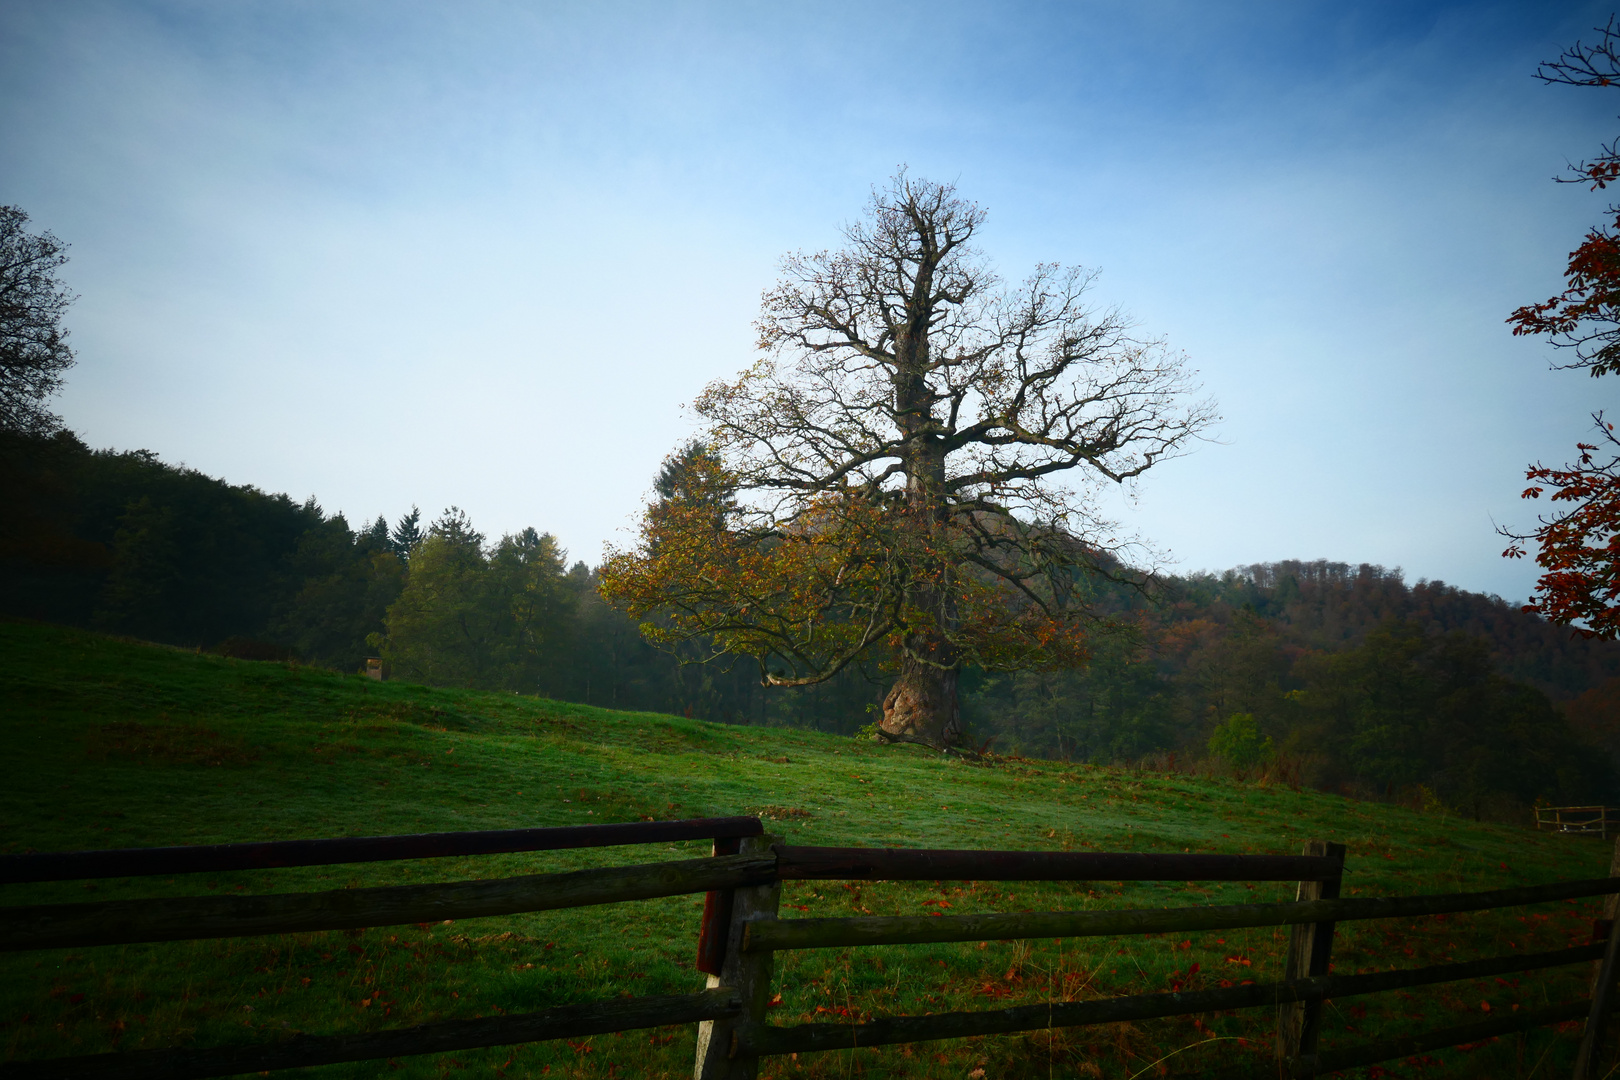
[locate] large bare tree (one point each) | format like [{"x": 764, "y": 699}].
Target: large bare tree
[
  {"x": 33, "y": 346},
  {"x": 911, "y": 471}
]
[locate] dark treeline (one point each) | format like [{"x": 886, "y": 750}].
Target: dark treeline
[{"x": 1343, "y": 676}]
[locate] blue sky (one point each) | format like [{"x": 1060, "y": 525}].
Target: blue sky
[{"x": 483, "y": 253}]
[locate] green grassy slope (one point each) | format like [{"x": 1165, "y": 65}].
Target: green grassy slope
[{"x": 116, "y": 744}]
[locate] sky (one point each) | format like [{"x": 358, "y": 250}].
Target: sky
[{"x": 483, "y": 254}]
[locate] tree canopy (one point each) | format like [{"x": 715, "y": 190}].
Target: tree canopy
[{"x": 910, "y": 470}]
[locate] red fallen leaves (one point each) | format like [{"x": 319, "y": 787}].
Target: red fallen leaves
[
  {"x": 1244, "y": 960},
  {"x": 1177, "y": 984},
  {"x": 580, "y": 1047}
]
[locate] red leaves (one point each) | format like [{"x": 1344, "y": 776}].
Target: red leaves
[
  {"x": 1579, "y": 546},
  {"x": 1586, "y": 315}
]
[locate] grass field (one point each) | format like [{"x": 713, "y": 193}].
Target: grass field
[{"x": 109, "y": 743}]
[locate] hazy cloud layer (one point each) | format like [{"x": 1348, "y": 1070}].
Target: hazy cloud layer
[{"x": 482, "y": 253}]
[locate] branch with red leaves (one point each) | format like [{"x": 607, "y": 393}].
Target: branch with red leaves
[
  {"x": 1586, "y": 315},
  {"x": 1578, "y": 547}
]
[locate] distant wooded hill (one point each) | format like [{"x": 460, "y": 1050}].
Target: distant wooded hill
[
  {"x": 1346, "y": 674},
  {"x": 1330, "y": 606}
]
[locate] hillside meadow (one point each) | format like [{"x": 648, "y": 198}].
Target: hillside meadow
[{"x": 115, "y": 743}]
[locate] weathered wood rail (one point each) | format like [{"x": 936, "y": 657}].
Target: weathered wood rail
[
  {"x": 741, "y": 933},
  {"x": 277, "y": 854},
  {"x": 49, "y": 926},
  {"x": 1599, "y": 821}
]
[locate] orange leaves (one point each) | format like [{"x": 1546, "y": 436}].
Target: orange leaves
[
  {"x": 842, "y": 575},
  {"x": 810, "y": 595}
]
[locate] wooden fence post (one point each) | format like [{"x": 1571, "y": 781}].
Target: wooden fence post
[
  {"x": 1310, "y": 948},
  {"x": 1603, "y": 979},
  {"x": 749, "y": 974},
  {"x": 711, "y": 950}
]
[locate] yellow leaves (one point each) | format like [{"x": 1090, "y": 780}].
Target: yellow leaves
[{"x": 844, "y": 575}]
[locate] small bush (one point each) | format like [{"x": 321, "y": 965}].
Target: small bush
[{"x": 1237, "y": 742}]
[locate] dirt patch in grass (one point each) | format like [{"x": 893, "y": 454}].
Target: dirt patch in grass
[
  {"x": 422, "y": 714},
  {"x": 782, "y": 813},
  {"x": 168, "y": 744}
]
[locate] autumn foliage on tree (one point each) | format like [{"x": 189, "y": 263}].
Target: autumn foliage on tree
[
  {"x": 908, "y": 473},
  {"x": 1578, "y": 542}
]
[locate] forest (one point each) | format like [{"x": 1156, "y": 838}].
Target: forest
[{"x": 1338, "y": 676}]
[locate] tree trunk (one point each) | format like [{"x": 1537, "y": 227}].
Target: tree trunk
[{"x": 921, "y": 706}]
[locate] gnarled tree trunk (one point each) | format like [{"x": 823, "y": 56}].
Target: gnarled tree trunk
[{"x": 921, "y": 707}]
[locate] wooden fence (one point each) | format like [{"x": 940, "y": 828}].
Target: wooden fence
[
  {"x": 1584, "y": 820},
  {"x": 741, "y": 934}
]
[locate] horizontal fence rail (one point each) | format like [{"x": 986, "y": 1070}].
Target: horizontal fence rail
[
  {"x": 912, "y": 864},
  {"x": 903, "y": 1029},
  {"x": 123, "y": 922},
  {"x": 740, "y": 935},
  {"x": 303, "y": 1051},
  {"x": 1581, "y": 820},
  {"x": 772, "y": 935},
  {"x": 279, "y": 854},
  {"x": 1371, "y": 1053}
]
